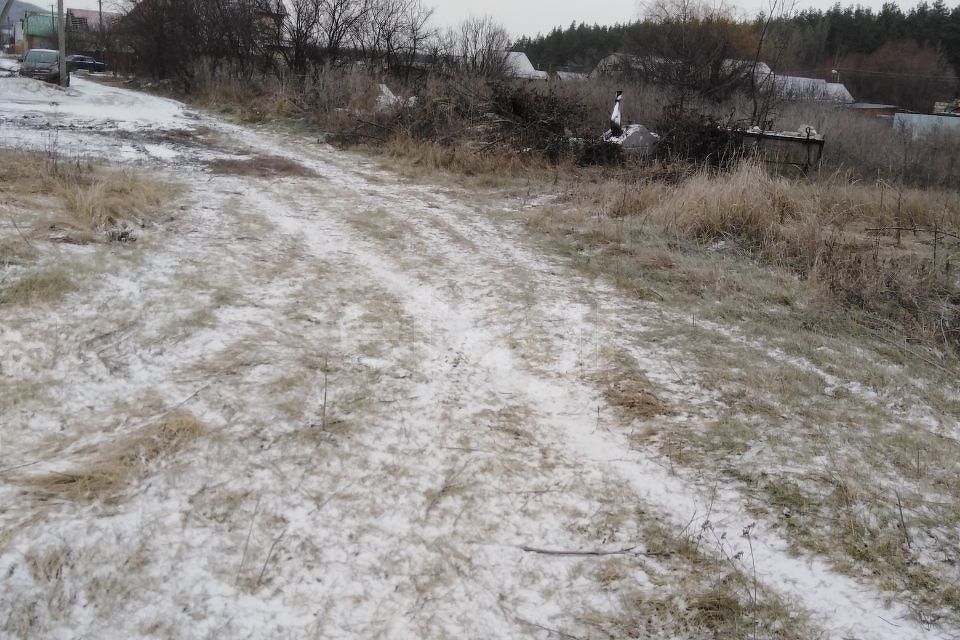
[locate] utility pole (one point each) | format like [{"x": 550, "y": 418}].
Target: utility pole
[
  {"x": 4, "y": 10},
  {"x": 62, "y": 37}
]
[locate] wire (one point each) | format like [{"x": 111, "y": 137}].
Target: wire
[{"x": 882, "y": 73}]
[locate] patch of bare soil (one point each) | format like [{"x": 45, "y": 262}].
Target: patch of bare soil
[{"x": 263, "y": 166}]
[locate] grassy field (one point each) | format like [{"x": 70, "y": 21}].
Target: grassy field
[
  {"x": 502, "y": 357},
  {"x": 827, "y": 339}
]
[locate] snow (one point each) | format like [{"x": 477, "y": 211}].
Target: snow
[
  {"x": 87, "y": 104},
  {"x": 635, "y": 138},
  {"x": 440, "y": 413},
  {"x": 801, "y": 88},
  {"x": 518, "y": 65}
]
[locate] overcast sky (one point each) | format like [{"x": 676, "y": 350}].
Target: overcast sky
[{"x": 533, "y": 16}]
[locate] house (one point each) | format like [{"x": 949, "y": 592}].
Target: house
[
  {"x": 570, "y": 76},
  {"x": 617, "y": 63},
  {"x": 921, "y": 125},
  {"x": 730, "y": 72},
  {"x": 802, "y": 88},
  {"x": 88, "y": 30},
  {"x": 84, "y": 28},
  {"x": 516, "y": 64},
  {"x": 86, "y": 20},
  {"x": 873, "y": 110},
  {"x": 39, "y": 31},
  {"x": 837, "y": 92},
  {"x": 763, "y": 73}
]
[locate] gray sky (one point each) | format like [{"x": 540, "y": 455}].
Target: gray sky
[{"x": 532, "y": 16}]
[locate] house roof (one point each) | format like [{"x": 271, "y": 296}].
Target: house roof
[
  {"x": 567, "y": 76},
  {"x": 90, "y": 19},
  {"x": 800, "y": 88},
  {"x": 838, "y": 92},
  {"x": 871, "y": 105},
  {"x": 518, "y": 65}
]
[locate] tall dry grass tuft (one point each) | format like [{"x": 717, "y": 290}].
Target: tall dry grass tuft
[
  {"x": 120, "y": 463},
  {"x": 109, "y": 203},
  {"x": 91, "y": 200},
  {"x": 838, "y": 236},
  {"x": 426, "y": 157}
]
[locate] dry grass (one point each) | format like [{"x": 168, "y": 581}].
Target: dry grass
[
  {"x": 121, "y": 462},
  {"x": 822, "y": 232},
  {"x": 89, "y": 201},
  {"x": 631, "y": 391},
  {"x": 488, "y": 167},
  {"x": 16, "y": 252},
  {"x": 698, "y": 591},
  {"x": 43, "y": 286},
  {"x": 263, "y": 166},
  {"x": 794, "y": 268}
]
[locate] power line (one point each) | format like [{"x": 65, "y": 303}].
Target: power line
[{"x": 885, "y": 73}]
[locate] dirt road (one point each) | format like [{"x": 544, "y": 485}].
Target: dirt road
[{"x": 405, "y": 424}]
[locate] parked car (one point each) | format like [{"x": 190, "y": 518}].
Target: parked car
[
  {"x": 42, "y": 64},
  {"x": 85, "y": 62}
]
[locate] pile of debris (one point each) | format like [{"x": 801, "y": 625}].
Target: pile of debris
[
  {"x": 633, "y": 139},
  {"x": 694, "y": 137}
]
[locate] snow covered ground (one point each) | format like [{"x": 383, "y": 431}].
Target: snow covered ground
[{"x": 400, "y": 406}]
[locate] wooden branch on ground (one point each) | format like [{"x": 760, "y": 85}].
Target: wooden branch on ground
[
  {"x": 628, "y": 551},
  {"x": 270, "y": 555},
  {"x": 23, "y": 237}
]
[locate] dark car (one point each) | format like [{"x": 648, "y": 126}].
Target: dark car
[
  {"x": 86, "y": 62},
  {"x": 42, "y": 64}
]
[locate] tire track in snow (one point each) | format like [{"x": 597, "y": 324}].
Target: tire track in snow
[
  {"x": 844, "y": 607},
  {"x": 462, "y": 296}
]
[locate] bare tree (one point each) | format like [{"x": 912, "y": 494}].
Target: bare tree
[
  {"x": 772, "y": 42},
  {"x": 167, "y": 36},
  {"x": 337, "y": 20},
  {"x": 301, "y": 19},
  {"x": 415, "y": 36},
  {"x": 376, "y": 34},
  {"x": 478, "y": 45},
  {"x": 696, "y": 48}
]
